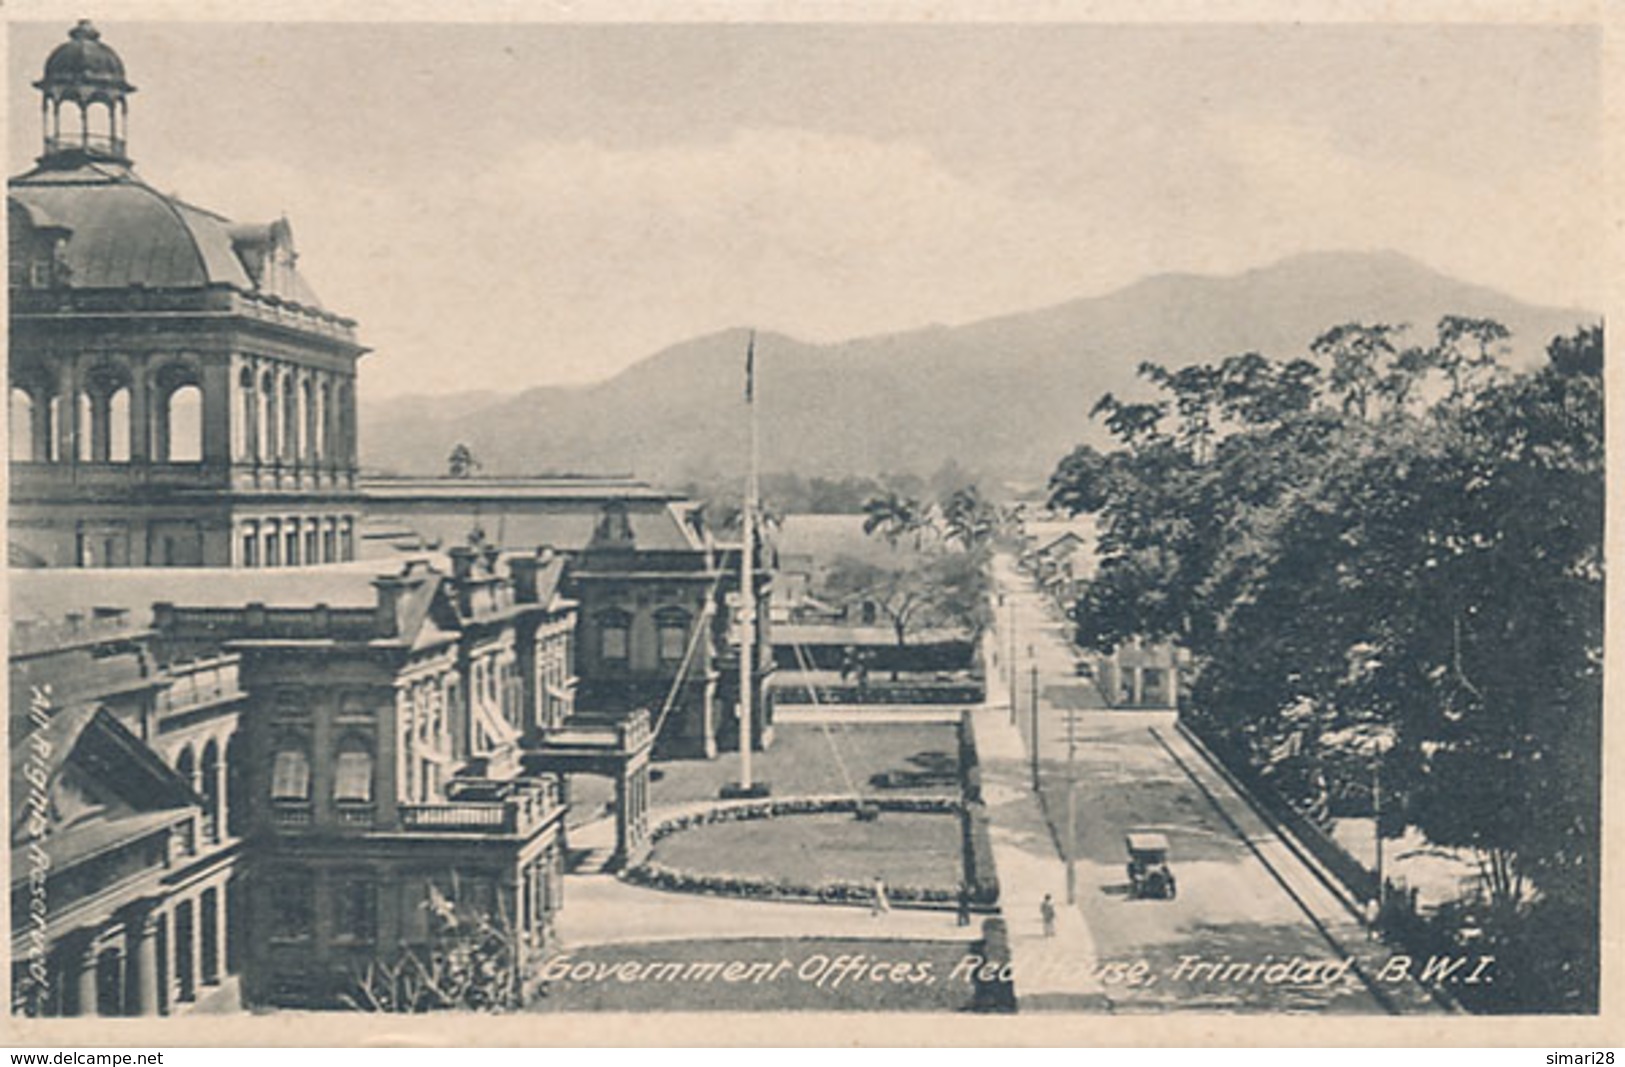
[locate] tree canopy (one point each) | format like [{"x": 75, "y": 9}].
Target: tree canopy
[{"x": 1384, "y": 536}]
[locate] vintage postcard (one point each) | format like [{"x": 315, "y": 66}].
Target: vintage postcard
[{"x": 1048, "y": 525}]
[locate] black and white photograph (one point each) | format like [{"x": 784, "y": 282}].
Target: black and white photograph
[{"x": 945, "y": 521}]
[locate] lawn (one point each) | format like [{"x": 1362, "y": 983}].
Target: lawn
[
  {"x": 918, "y": 850},
  {"x": 770, "y": 974},
  {"x": 920, "y": 759}
]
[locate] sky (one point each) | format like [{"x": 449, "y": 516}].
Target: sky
[{"x": 509, "y": 205}]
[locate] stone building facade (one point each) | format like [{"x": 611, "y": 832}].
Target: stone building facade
[
  {"x": 288, "y": 768},
  {"x": 179, "y": 396},
  {"x": 126, "y": 823},
  {"x": 658, "y": 594}
]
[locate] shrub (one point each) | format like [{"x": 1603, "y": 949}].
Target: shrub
[{"x": 658, "y": 876}]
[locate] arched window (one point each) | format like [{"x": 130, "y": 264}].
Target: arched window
[
  {"x": 290, "y": 773},
  {"x": 118, "y": 426},
  {"x": 245, "y": 434},
  {"x": 310, "y": 422},
  {"x": 186, "y": 766},
  {"x": 671, "y": 627},
  {"x": 179, "y": 423},
  {"x": 290, "y": 419},
  {"x": 104, "y": 414},
  {"x": 209, "y": 770},
  {"x": 352, "y": 774},
  {"x": 99, "y": 129},
  {"x": 23, "y": 414},
  {"x": 324, "y": 444},
  {"x": 268, "y": 418},
  {"x": 614, "y": 637}
]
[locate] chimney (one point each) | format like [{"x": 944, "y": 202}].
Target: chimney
[
  {"x": 390, "y": 587},
  {"x": 462, "y": 562},
  {"x": 524, "y": 570}
]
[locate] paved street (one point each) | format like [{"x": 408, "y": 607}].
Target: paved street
[{"x": 1243, "y": 896}]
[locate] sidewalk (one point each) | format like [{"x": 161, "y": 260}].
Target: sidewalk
[
  {"x": 601, "y": 910},
  {"x": 1330, "y": 910},
  {"x": 1051, "y": 973}
]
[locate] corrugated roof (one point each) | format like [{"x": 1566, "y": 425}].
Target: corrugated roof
[
  {"x": 51, "y": 595},
  {"x": 525, "y": 522},
  {"x": 586, "y": 489}
]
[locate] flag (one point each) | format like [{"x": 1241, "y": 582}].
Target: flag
[{"x": 750, "y": 370}]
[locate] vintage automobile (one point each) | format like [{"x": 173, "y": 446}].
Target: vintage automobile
[{"x": 1148, "y": 873}]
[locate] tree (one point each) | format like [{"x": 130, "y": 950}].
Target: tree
[
  {"x": 970, "y": 520},
  {"x": 470, "y": 963},
  {"x": 946, "y": 590},
  {"x": 1357, "y": 354},
  {"x": 897, "y": 517},
  {"x": 1467, "y": 350},
  {"x": 461, "y": 463},
  {"x": 1433, "y": 576}
]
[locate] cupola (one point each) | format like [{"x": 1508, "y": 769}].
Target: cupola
[{"x": 84, "y": 101}]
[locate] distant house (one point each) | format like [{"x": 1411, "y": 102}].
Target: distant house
[
  {"x": 813, "y": 629},
  {"x": 1060, "y": 555}
]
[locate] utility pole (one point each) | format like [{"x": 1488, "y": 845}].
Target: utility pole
[
  {"x": 1376, "y": 819},
  {"x": 1035, "y": 725},
  {"x": 1071, "y": 806},
  {"x": 1012, "y": 614}
]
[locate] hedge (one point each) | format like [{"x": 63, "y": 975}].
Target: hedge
[{"x": 984, "y": 889}]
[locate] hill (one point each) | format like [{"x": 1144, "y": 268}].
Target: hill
[{"x": 1007, "y": 396}]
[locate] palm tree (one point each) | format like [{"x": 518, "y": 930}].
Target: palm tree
[
  {"x": 895, "y": 516},
  {"x": 969, "y": 519}
]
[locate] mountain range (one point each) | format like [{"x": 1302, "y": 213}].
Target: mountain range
[{"x": 1005, "y": 397}]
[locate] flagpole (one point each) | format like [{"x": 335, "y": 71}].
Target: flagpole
[{"x": 747, "y": 578}]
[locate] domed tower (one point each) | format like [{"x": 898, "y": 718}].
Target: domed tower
[
  {"x": 84, "y": 101},
  {"x": 179, "y": 395}
]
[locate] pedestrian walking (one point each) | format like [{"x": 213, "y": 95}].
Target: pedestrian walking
[
  {"x": 878, "y": 904},
  {"x": 1046, "y": 912},
  {"x": 964, "y": 904}
]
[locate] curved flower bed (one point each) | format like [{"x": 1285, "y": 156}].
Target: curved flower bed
[{"x": 984, "y": 888}]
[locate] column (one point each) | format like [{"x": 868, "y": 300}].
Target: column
[
  {"x": 142, "y": 958},
  {"x": 220, "y": 801},
  {"x": 140, "y": 412},
  {"x": 214, "y": 388},
  {"x": 222, "y": 930},
  {"x": 67, "y": 426},
  {"x": 87, "y": 999},
  {"x": 1137, "y": 684},
  {"x": 623, "y": 820},
  {"x": 101, "y": 419},
  {"x": 40, "y": 429}
]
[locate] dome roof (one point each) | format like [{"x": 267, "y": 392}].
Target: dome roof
[
  {"x": 123, "y": 232},
  {"x": 85, "y": 64}
]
